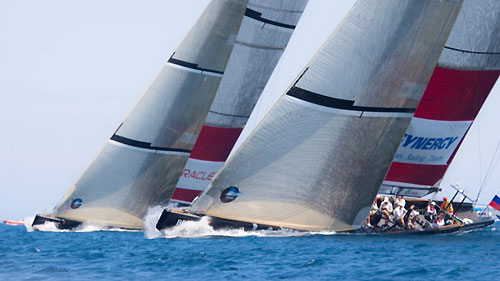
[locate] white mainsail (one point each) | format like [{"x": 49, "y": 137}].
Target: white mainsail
[
  {"x": 466, "y": 72},
  {"x": 263, "y": 36},
  {"x": 140, "y": 164},
  {"x": 316, "y": 161}
]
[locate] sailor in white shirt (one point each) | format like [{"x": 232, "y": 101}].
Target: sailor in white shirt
[
  {"x": 399, "y": 215},
  {"x": 430, "y": 213},
  {"x": 386, "y": 208},
  {"x": 400, "y": 201}
]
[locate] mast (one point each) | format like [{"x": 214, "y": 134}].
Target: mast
[
  {"x": 466, "y": 72},
  {"x": 264, "y": 33},
  {"x": 317, "y": 160},
  {"x": 141, "y": 162}
]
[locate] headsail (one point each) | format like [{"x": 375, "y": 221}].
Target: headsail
[
  {"x": 467, "y": 71},
  {"x": 263, "y": 36},
  {"x": 317, "y": 159},
  {"x": 140, "y": 164}
]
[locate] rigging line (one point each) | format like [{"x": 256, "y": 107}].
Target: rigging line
[
  {"x": 480, "y": 160},
  {"x": 491, "y": 167}
]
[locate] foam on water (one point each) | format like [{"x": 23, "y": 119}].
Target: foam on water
[
  {"x": 201, "y": 229},
  {"x": 150, "y": 221},
  {"x": 84, "y": 227}
]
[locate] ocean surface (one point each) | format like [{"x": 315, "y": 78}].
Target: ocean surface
[{"x": 194, "y": 251}]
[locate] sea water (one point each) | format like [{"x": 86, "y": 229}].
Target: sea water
[{"x": 194, "y": 251}]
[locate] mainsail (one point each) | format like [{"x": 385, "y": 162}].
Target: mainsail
[
  {"x": 317, "y": 160},
  {"x": 263, "y": 36},
  {"x": 141, "y": 162},
  {"x": 467, "y": 71}
]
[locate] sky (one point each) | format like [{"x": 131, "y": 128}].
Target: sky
[{"x": 71, "y": 70}]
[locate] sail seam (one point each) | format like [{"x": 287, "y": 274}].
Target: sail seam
[
  {"x": 258, "y": 16},
  {"x": 326, "y": 101},
  {"x": 230, "y": 115},
  {"x": 275, "y": 9},
  {"x": 145, "y": 145},
  {"x": 259, "y": 46},
  {"x": 471, "y": 52}
]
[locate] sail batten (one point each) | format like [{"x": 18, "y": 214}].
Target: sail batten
[
  {"x": 145, "y": 145},
  {"x": 258, "y": 17},
  {"x": 344, "y": 104},
  {"x": 194, "y": 66}
]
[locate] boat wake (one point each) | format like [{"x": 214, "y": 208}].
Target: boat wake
[
  {"x": 201, "y": 229},
  {"x": 84, "y": 227}
]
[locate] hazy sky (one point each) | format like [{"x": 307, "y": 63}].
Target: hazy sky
[{"x": 70, "y": 71}]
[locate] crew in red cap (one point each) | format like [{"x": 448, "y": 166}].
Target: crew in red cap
[{"x": 447, "y": 207}]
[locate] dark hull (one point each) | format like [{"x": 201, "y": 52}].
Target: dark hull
[
  {"x": 435, "y": 230},
  {"x": 477, "y": 225},
  {"x": 60, "y": 223},
  {"x": 219, "y": 223},
  {"x": 170, "y": 218}
]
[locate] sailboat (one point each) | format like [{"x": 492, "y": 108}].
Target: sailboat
[
  {"x": 263, "y": 37},
  {"x": 466, "y": 72},
  {"x": 140, "y": 163},
  {"x": 318, "y": 158}
]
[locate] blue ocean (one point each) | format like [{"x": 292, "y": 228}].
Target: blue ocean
[{"x": 195, "y": 252}]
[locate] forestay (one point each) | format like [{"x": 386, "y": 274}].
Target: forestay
[
  {"x": 264, "y": 33},
  {"x": 467, "y": 71},
  {"x": 140, "y": 164},
  {"x": 317, "y": 160}
]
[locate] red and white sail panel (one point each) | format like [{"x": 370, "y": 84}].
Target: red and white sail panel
[
  {"x": 262, "y": 38},
  {"x": 467, "y": 71}
]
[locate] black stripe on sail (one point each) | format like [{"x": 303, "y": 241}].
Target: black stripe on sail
[
  {"x": 192, "y": 65},
  {"x": 471, "y": 52},
  {"x": 318, "y": 99},
  {"x": 146, "y": 145},
  {"x": 258, "y": 16}
]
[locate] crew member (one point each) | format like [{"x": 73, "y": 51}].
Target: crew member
[
  {"x": 386, "y": 208},
  {"x": 400, "y": 201},
  {"x": 399, "y": 215},
  {"x": 412, "y": 217},
  {"x": 447, "y": 208},
  {"x": 430, "y": 212},
  {"x": 374, "y": 216}
]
